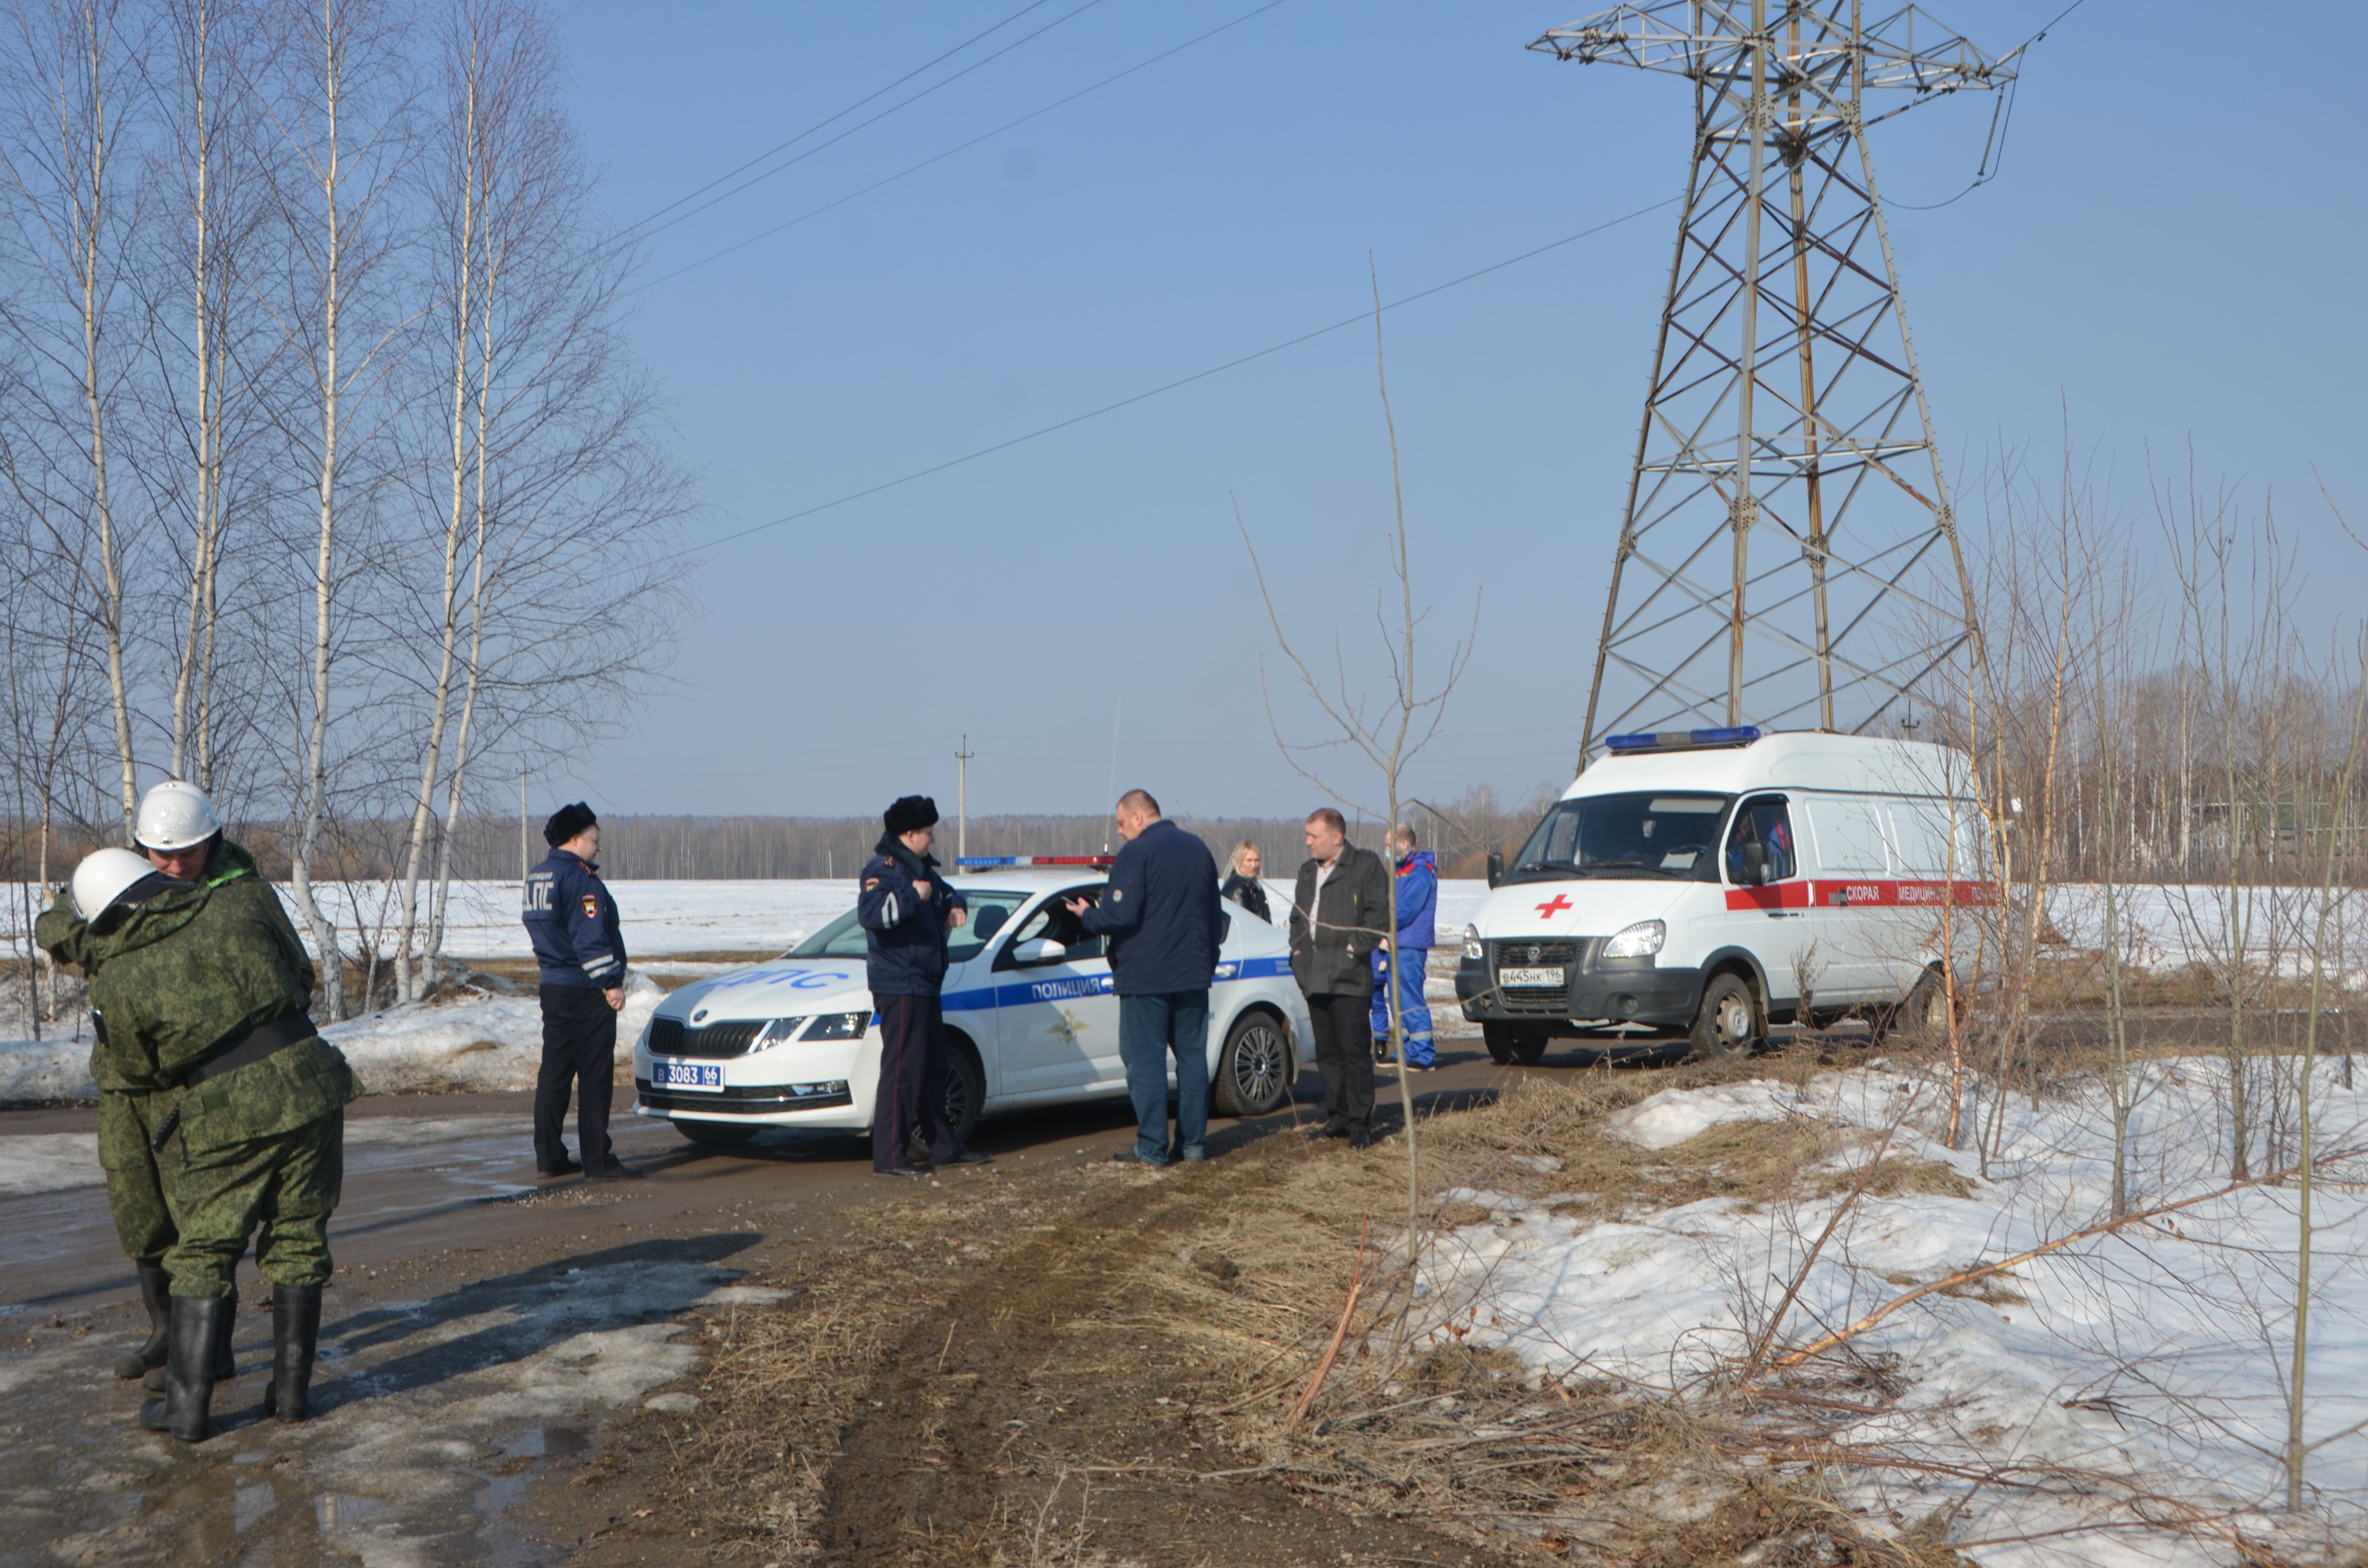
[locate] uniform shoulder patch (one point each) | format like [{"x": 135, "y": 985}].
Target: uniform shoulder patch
[
  {"x": 871, "y": 883},
  {"x": 591, "y": 907}
]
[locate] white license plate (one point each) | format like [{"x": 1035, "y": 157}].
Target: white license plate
[
  {"x": 685, "y": 1075},
  {"x": 1530, "y": 976}
]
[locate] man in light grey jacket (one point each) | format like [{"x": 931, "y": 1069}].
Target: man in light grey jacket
[{"x": 1340, "y": 911}]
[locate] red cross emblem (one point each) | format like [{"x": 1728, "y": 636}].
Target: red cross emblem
[{"x": 1548, "y": 911}]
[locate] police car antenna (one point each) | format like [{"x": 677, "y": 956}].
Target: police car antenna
[{"x": 1785, "y": 389}]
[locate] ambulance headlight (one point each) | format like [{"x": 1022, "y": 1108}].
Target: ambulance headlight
[
  {"x": 841, "y": 1026},
  {"x": 781, "y": 1031},
  {"x": 1641, "y": 940},
  {"x": 1472, "y": 944}
]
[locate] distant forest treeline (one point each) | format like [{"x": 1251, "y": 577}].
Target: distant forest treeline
[{"x": 705, "y": 849}]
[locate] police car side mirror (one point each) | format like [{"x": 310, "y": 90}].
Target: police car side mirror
[
  {"x": 1755, "y": 865},
  {"x": 1495, "y": 867},
  {"x": 1038, "y": 950}
]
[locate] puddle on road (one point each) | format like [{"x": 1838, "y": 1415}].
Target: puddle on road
[{"x": 434, "y": 1420}]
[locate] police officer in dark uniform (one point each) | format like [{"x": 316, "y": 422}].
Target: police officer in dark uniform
[
  {"x": 572, "y": 921},
  {"x": 906, "y": 909}
]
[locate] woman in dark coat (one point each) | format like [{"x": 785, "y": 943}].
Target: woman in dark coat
[{"x": 1243, "y": 886}]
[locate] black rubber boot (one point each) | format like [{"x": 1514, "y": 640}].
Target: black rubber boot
[
  {"x": 225, "y": 1368},
  {"x": 157, "y": 1295},
  {"x": 295, "y": 1337},
  {"x": 195, "y": 1332}
]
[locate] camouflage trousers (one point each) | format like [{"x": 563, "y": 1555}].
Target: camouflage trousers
[
  {"x": 286, "y": 1183},
  {"x": 134, "y": 1190}
]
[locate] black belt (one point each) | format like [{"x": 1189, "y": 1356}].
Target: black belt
[{"x": 277, "y": 1035}]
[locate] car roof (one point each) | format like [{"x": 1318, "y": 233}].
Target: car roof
[
  {"x": 1789, "y": 760},
  {"x": 1025, "y": 880}
]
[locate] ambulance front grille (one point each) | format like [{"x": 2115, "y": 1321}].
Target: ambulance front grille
[
  {"x": 669, "y": 1037},
  {"x": 1548, "y": 1001}
]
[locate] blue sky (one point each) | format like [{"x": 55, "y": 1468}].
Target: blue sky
[{"x": 2169, "y": 256}]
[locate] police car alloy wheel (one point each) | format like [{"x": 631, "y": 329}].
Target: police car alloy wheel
[{"x": 1254, "y": 1070}]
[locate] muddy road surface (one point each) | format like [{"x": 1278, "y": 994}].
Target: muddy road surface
[{"x": 486, "y": 1335}]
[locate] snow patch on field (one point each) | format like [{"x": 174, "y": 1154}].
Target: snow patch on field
[{"x": 2154, "y": 1357}]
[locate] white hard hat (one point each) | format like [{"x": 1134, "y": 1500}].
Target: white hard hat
[
  {"x": 175, "y": 815},
  {"x": 106, "y": 875}
]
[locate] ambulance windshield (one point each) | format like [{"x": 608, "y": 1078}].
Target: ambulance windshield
[{"x": 1655, "y": 835}]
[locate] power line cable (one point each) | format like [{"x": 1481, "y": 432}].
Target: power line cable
[
  {"x": 951, "y": 152},
  {"x": 829, "y": 120},
  {"x": 2001, "y": 122},
  {"x": 1232, "y": 364},
  {"x": 862, "y": 125}
]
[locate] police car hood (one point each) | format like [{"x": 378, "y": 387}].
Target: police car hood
[
  {"x": 1580, "y": 906},
  {"x": 783, "y": 988}
]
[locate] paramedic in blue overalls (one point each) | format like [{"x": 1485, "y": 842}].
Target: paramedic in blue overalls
[
  {"x": 906, "y": 908},
  {"x": 572, "y": 921},
  {"x": 1418, "y": 914}
]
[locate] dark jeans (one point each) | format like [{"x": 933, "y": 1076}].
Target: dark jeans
[
  {"x": 911, "y": 1081},
  {"x": 579, "y": 1052},
  {"x": 1148, "y": 1026},
  {"x": 1344, "y": 1055}
]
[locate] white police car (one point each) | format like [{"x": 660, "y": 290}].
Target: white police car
[{"x": 1028, "y": 1010}]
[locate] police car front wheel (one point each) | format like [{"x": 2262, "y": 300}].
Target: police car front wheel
[{"x": 1254, "y": 1071}]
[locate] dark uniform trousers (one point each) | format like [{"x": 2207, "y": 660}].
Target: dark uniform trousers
[
  {"x": 911, "y": 1081},
  {"x": 579, "y": 1049},
  {"x": 1344, "y": 1055}
]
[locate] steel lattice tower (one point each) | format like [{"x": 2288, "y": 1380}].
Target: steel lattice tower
[{"x": 1785, "y": 394}]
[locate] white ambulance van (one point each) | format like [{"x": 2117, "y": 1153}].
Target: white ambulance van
[{"x": 1705, "y": 882}]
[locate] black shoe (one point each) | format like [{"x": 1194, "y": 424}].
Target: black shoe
[
  {"x": 1317, "y": 1134},
  {"x": 194, "y": 1335},
  {"x": 1129, "y": 1157},
  {"x": 615, "y": 1170},
  {"x": 157, "y": 1295},
  {"x": 564, "y": 1167},
  {"x": 969, "y": 1157},
  {"x": 295, "y": 1337},
  {"x": 1363, "y": 1140},
  {"x": 910, "y": 1173}
]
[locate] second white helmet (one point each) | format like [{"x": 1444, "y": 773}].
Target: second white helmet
[
  {"x": 175, "y": 815},
  {"x": 106, "y": 875}
]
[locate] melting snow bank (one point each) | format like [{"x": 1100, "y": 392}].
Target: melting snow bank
[
  {"x": 485, "y": 1043},
  {"x": 2073, "y": 1410}
]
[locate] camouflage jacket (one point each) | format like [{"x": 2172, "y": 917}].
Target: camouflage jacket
[{"x": 190, "y": 971}]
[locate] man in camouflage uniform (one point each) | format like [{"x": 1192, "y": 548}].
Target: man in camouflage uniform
[
  {"x": 203, "y": 989},
  {"x": 177, "y": 829}
]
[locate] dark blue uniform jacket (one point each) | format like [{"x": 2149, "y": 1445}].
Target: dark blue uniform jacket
[
  {"x": 904, "y": 934},
  {"x": 572, "y": 921},
  {"x": 1161, "y": 913}
]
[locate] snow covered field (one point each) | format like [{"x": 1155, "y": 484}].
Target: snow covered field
[
  {"x": 494, "y": 1042},
  {"x": 2156, "y": 1356}
]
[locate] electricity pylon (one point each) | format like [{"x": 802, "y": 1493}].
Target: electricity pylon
[{"x": 1785, "y": 394}]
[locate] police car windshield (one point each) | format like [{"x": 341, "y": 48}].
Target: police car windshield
[
  {"x": 989, "y": 911},
  {"x": 1643, "y": 834}
]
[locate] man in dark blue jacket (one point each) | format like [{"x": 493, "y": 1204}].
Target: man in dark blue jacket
[
  {"x": 572, "y": 921},
  {"x": 1161, "y": 914},
  {"x": 1417, "y": 918},
  {"x": 906, "y": 909}
]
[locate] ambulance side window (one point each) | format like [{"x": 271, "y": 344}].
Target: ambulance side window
[{"x": 1764, "y": 820}]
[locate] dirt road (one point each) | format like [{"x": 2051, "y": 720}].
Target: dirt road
[{"x": 482, "y": 1334}]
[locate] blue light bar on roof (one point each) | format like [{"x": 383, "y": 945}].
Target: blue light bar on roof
[
  {"x": 1682, "y": 739},
  {"x": 985, "y": 862}
]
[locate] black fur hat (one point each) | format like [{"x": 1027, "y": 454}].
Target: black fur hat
[
  {"x": 566, "y": 822},
  {"x": 911, "y": 811}
]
